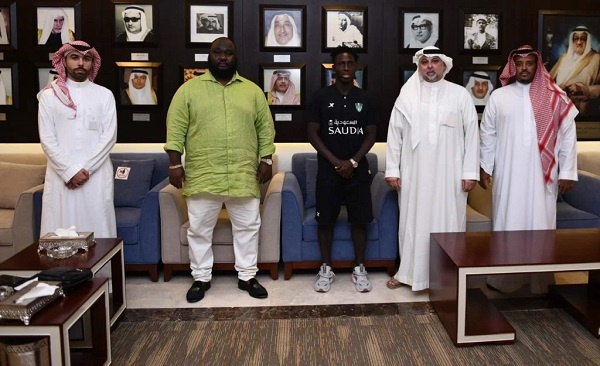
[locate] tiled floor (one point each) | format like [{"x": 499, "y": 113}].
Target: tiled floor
[{"x": 142, "y": 293}]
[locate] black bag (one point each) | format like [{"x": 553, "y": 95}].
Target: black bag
[{"x": 70, "y": 278}]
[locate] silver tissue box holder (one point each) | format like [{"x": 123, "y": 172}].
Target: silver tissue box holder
[{"x": 60, "y": 248}]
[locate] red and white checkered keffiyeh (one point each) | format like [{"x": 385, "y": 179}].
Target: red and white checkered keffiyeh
[
  {"x": 550, "y": 105},
  {"x": 59, "y": 86}
]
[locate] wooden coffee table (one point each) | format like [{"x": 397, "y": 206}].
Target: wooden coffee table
[
  {"x": 468, "y": 316},
  {"x": 55, "y": 320},
  {"x": 28, "y": 262}
]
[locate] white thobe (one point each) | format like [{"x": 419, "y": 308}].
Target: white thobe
[
  {"x": 73, "y": 141},
  {"x": 509, "y": 152},
  {"x": 431, "y": 198}
]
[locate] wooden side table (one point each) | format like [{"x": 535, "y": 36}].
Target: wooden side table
[{"x": 55, "y": 320}]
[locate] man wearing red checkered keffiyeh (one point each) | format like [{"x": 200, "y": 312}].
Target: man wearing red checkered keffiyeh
[
  {"x": 528, "y": 144},
  {"x": 77, "y": 123}
]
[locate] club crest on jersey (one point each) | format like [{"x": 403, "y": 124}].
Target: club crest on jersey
[{"x": 359, "y": 106}]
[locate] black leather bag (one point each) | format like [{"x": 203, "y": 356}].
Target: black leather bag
[{"x": 70, "y": 278}]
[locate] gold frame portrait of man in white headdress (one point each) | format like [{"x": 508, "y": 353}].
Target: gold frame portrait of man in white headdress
[{"x": 55, "y": 26}]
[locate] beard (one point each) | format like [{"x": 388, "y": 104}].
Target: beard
[{"x": 222, "y": 74}]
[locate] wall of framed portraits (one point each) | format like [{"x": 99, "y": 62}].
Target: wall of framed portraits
[{"x": 150, "y": 47}]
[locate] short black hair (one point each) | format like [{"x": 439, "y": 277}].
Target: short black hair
[{"x": 344, "y": 49}]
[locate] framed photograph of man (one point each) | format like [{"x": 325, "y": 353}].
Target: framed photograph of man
[
  {"x": 481, "y": 32},
  {"x": 188, "y": 73},
  {"x": 283, "y": 85},
  {"x": 9, "y": 87},
  {"x": 135, "y": 23},
  {"x": 57, "y": 25},
  {"x": 480, "y": 81},
  {"x": 344, "y": 26},
  {"x": 569, "y": 43},
  {"x": 140, "y": 84},
  {"x": 8, "y": 25},
  {"x": 282, "y": 28},
  {"x": 208, "y": 21},
  {"x": 328, "y": 76},
  {"x": 419, "y": 28}
]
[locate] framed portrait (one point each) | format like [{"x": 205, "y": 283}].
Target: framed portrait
[
  {"x": 283, "y": 85},
  {"x": 569, "y": 42},
  {"x": 344, "y": 26},
  {"x": 480, "y": 81},
  {"x": 207, "y": 21},
  {"x": 406, "y": 71},
  {"x": 140, "y": 84},
  {"x": 481, "y": 31},
  {"x": 419, "y": 28},
  {"x": 9, "y": 86},
  {"x": 136, "y": 23},
  {"x": 8, "y": 25},
  {"x": 57, "y": 25},
  {"x": 282, "y": 28},
  {"x": 188, "y": 73},
  {"x": 328, "y": 75}
]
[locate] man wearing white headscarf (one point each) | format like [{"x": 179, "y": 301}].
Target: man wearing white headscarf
[
  {"x": 283, "y": 32},
  {"x": 3, "y": 30},
  {"x": 140, "y": 89},
  {"x": 282, "y": 89},
  {"x": 480, "y": 39},
  {"x": 480, "y": 87},
  {"x": 208, "y": 23},
  {"x": 423, "y": 32},
  {"x": 432, "y": 159},
  {"x": 77, "y": 122},
  {"x": 529, "y": 146},
  {"x": 346, "y": 33},
  {"x": 136, "y": 26},
  {"x": 55, "y": 31},
  {"x": 578, "y": 70}
]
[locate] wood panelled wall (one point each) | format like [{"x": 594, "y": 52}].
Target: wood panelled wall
[{"x": 384, "y": 60}]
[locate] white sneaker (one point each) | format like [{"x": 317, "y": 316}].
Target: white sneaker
[
  {"x": 360, "y": 279},
  {"x": 324, "y": 279}
]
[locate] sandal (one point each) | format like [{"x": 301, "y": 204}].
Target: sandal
[{"x": 393, "y": 283}]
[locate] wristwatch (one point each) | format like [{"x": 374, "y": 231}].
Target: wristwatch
[
  {"x": 354, "y": 163},
  {"x": 267, "y": 161}
]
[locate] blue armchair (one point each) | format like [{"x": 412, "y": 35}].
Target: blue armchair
[
  {"x": 136, "y": 209},
  {"x": 299, "y": 243},
  {"x": 580, "y": 208}
]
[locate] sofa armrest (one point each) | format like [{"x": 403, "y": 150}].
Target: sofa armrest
[
  {"x": 23, "y": 228},
  {"x": 292, "y": 217},
  {"x": 386, "y": 212},
  {"x": 270, "y": 228},
  {"x": 149, "y": 237},
  {"x": 382, "y": 195},
  {"x": 585, "y": 194},
  {"x": 481, "y": 200},
  {"x": 173, "y": 214}
]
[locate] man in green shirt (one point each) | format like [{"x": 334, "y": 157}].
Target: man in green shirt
[{"x": 223, "y": 123}]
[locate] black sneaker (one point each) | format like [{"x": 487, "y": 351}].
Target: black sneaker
[
  {"x": 254, "y": 288},
  {"x": 196, "y": 292}
]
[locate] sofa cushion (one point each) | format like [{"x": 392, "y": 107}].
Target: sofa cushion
[
  {"x": 131, "y": 189},
  {"x": 310, "y": 169},
  {"x": 128, "y": 219},
  {"x": 16, "y": 178},
  {"x": 569, "y": 217},
  {"x": 6, "y": 223}
]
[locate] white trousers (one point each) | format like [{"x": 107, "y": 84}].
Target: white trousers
[{"x": 203, "y": 212}]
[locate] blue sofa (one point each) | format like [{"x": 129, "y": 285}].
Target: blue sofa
[
  {"x": 299, "y": 245},
  {"x": 580, "y": 208},
  {"x": 136, "y": 208}
]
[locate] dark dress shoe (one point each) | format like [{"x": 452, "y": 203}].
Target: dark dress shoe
[
  {"x": 196, "y": 292},
  {"x": 254, "y": 288}
]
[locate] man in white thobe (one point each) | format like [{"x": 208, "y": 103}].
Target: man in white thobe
[
  {"x": 527, "y": 136},
  {"x": 77, "y": 123},
  {"x": 432, "y": 158}
]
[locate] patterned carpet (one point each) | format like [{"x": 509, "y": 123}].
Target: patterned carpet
[{"x": 386, "y": 334}]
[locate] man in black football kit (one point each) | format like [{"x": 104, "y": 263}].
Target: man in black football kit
[{"x": 341, "y": 127}]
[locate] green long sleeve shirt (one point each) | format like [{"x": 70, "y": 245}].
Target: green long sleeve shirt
[{"x": 223, "y": 131}]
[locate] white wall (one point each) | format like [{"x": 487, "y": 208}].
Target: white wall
[{"x": 284, "y": 151}]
